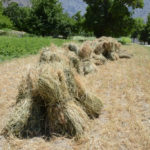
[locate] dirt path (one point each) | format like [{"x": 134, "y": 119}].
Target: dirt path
[{"x": 124, "y": 88}]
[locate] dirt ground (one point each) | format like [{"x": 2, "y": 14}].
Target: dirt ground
[{"x": 124, "y": 88}]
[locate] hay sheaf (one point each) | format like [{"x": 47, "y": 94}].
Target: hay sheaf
[
  {"x": 107, "y": 47},
  {"x": 85, "y": 51},
  {"x": 52, "y": 98},
  {"x": 51, "y": 91}
]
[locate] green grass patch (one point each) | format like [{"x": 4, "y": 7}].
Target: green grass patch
[{"x": 15, "y": 47}]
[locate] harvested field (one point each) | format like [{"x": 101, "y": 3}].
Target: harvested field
[{"x": 122, "y": 86}]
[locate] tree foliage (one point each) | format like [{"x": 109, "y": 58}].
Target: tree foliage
[
  {"x": 147, "y": 28},
  {"x": 110, "y": 17},
  {"x": 145, "y": 33},
  {"x": 4, "y": 21},
  {"x": 139, "y": 25},
  {"x": 78, "y": 23},
  {"x": 18, "y": 15},
  {"x": 45, "y": 17},
  {"x": 48, "y": 18}
]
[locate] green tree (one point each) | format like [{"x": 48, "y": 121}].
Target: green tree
[
  {"x": 4, "y": 21},
  {"x": 110, "y": 17},
  {"x": 78, "y": 23},
  {"x": 44, "y": 17},
  {"x": 138, "y": 27},
  {"x": 18, "y": 15},
  {"x": 66, "y": 26},
  {"x": 1, "y": 8},
  {"x": 147, "y": 29},
  {"x": 143, "y": 35},
  {"x": 48, "y": 18}
]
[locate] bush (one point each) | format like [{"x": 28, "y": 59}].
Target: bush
[
  {"x": 5, "y": 22},
  {"x": 125, "y": 40}
]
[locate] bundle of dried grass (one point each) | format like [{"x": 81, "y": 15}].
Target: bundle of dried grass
[
  {"x": 75, "y": 63},
  {"x": 28, "y": 86},
  {"x": 91, "y": 104},
  {"x": 72, "y": 47},
  {"x": 48, "y": 56},
  {"x": 113, "y": 56},
  {"x": 99, "y": 59},
  {"x": 68, "y": 118},
  {"x": 52, "y": 85},
  {"x": 19, "y": 118},
  {"x": 88, "y": 67},
  {"x": 85, "y": 51},
  {"x": 108, "y": 47},
  {"x": 99, "y": 49}
]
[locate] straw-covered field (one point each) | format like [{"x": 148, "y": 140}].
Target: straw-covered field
[{"x": 121, "y": 85}]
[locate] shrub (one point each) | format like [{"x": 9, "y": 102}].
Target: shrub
[
  {"x": 5, "y": 22},
  {"x": 124, "y": 40}
]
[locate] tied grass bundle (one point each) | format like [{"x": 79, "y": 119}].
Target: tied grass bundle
[{"x": 52, "y": 99}]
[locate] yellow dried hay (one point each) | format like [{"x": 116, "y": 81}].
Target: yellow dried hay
[
  {"x": 49, "y": 56},
  {"x": 85, "y": 51},
  {"x": 71, "y": 47},
  {"x": 28, "y": 86},
  {"x": 109, "y": 47},
  {"x": 91, "y": 104},
  {"x": 52, "y": 86},
  {"x": 99, "y": 49},
  {"x": 99, "y": 59},
  {"x": 113, "y": 56},
  {"x": 124, "y": 54},
  {"x": 75, "y": 63},
  {"x": 68, "y": 118},
  {"x": 19, "y": 118},
  {"x": 88, "y": 67}
]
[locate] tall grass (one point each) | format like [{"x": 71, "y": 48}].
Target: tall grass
[{"x": 14, "y": 47}]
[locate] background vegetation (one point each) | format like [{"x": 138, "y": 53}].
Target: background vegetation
[{"x": 46, "y": 18}]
